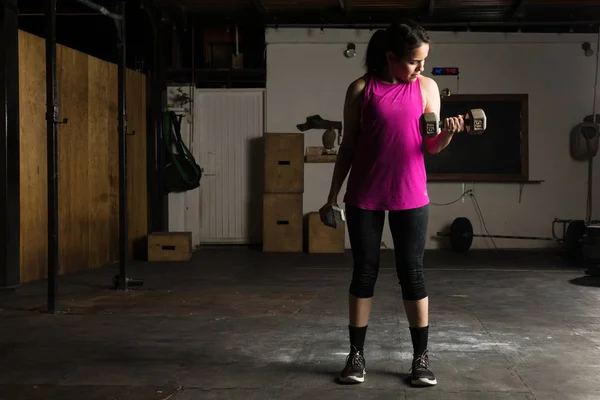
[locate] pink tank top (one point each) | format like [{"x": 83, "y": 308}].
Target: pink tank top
[{"x": 388, "y": 170}]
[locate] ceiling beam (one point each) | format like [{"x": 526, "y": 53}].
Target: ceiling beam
[
  {"x": 482, "y": 16},
  {"x": 553, "y": 26}
]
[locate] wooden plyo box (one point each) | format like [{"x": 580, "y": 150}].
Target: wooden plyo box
[
  {"x": 170, "y": 246},
  {"x": 284, "y": 163},
  {"x": 324, "y": 239},
  {"x": 282, "y": 223}
]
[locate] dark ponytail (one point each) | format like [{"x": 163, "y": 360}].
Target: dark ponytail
[
  {"x": 400, "y": 38},
  {"x": 375, "y": 59}
]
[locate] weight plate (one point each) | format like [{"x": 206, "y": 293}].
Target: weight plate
[
  {"x": 461, "y": 234},
  {"x": 572, "y": 240}
]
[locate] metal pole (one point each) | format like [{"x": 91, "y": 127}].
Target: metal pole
[
  {"x": 514, "y": 237},
  {"x": 63, "y": 15},
  {"x": 162, "y": 199},
  {"x": 119, "y": 17},
  {"x": 51, "y": 121},
  {"x": 102, "y": 10},
  {"x": 123, "y": 223},
  {"x": 10, "y": 192},
  {"x": 589, "y": 207}
]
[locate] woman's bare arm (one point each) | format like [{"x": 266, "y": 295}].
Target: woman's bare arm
[
  {"x": 433, "y": 104},
  {"x": 345, "y": 156}
]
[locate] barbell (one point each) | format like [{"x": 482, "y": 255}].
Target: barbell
[{"x": 461, "y": 236}]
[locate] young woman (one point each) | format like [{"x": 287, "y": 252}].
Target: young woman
[{"x": 383, "y": 146}]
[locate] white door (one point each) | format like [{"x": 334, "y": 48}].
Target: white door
[{"x": 228, "y": 130}]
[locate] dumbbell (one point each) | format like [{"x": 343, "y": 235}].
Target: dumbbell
[
  {"x": 475, "y": 123},
  {"x": 334, "y": 216}
]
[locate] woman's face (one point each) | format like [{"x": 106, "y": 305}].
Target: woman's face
[{"x": 409, "y": 68}]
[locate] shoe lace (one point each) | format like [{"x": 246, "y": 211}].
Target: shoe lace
[
  {"x": 354, "y": 360},
  {"x": 421, "y": 362}
]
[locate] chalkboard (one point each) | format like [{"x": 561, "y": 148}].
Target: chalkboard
[{"x": 499, "y": 154}]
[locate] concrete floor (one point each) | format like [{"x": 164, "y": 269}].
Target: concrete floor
[{"x": 235, "y": 323}]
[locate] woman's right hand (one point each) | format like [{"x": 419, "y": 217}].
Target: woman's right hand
[{"x": 323, "y": 210}]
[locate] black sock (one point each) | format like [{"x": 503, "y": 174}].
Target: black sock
[
  {"x": 357, "y": 337},
  {"x": 419, "y": 339}
]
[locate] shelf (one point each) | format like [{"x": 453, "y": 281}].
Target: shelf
[
  {"x": 323, "y": 158},
  {"x": 486, "y": 180},
  {"x": 481, "y": 178}
]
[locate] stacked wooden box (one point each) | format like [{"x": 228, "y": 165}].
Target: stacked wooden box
[
  {"x": 170, "y": 246},
  {"x": 283, "y": 191},
  {"x": 324, "y": 239}
]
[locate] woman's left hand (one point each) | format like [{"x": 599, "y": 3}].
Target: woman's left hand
[{"x": 454, "y": 124}]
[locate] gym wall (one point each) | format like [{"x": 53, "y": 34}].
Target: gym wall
[
  {"x": 87, "y": 160},
  {"x": 307, "y": 73}
]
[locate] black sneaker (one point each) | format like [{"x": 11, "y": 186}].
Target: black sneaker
[
  {"x": 420, "y": 373},
  {"x": 354, "y": 371}
]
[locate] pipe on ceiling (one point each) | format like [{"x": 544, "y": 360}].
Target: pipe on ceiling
[{"x": 515, "y": 24}]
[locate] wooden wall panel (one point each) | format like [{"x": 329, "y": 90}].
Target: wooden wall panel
[
  {"x": 87, "y": 160},
  {"x": 34, "y": 189},
  {"x": 73, "y": 160},
  {"x": 102, "y": 106}
]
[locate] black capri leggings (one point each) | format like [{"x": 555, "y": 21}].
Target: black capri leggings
[{"x": 409, "y": 230}]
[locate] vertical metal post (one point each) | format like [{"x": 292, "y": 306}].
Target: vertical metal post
[
  {"x": 160, "y": 92},
  {"x": 10, "y": 248},
  {"x": 123, "y": 218},
  {"x": 51, "y": 121},
  {"x": 119, "y": 19},
  {"x": 158, "y": 207}
]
